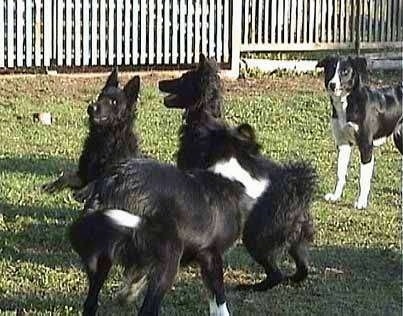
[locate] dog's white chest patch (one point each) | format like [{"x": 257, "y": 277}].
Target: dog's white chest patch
[
  {"x": 344, "y": 134},
  {"x": 343, "y": 131},
  {"x": 340, "y": 105},
  {"x": 123, "y": 218},
  {"x": 231, "y": 169}
]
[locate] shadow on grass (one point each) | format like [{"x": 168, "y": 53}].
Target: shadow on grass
[
  {"x": 37, "y": 235},
  {"x": 343, "y": 280},
  {"x": 45, "y": 166}
]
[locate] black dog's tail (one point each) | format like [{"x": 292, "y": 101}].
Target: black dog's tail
[
  {"x": 297, "y": 187},
  {"x": 300, "y": 180},
  {"x": 284, "y": 213}
]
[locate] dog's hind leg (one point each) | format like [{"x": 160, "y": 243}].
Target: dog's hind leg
[
  {"x": 299, "y": 253},
  {"x": 274, "y": 276},
  {"x": 211, "y": 265},
  {"x": 136, "y": 280},
  {"x": 161, "y": 278},
  {"x": 97, "y": 272}
]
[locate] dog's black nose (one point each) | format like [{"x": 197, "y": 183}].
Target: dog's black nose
[{"x": 332, "y": 86}]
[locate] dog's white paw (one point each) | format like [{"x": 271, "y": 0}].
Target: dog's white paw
[
  {"x": 361, "y": 204},
  {"x": 331, "y": 197},
  {"x": 354, "y": 126}
]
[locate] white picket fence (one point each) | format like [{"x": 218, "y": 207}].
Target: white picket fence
[
  {"x": 68, "y": 33},
  {"x": 107, "y": 32},
  {"x": 302, "y": 25}
]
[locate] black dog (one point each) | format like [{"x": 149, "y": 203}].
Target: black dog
[
  {"x": 171, "y": 217},
  {"x": 361, "y": 116},
  {"x": 280, "y": 218},
  {"x": 111, "y": 136},
  {"x": 199, "y": 93}
]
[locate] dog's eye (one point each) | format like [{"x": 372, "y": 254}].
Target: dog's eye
[
  {"x": 113, "y": 102},
  {"x": 344, "y": 72}
]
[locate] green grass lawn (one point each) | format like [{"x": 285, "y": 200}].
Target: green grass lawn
[{"x": 355, "y": 260}]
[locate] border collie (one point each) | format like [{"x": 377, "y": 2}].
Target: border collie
[
  {"x": 171, "y": 216},
  {"x": 361, "y": 116},
  {"x": 280, "y": 218},
  {"x": 110, "y": 137}
]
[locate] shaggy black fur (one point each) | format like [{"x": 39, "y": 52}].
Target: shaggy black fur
[
  {"x": 111, "y": 136},
  {"x": 184, "y": 217},
  {"x": 398, "y": 135},
  {"x": 280, "y": 218},
  {"x": 199, "y": 93}
]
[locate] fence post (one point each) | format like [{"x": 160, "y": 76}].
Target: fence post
[
  {"x": 47, "y": 32},
  {"x": 236, "y": 38},
  {"x": 358, "y": 27}
]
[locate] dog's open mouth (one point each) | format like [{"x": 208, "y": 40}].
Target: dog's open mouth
[{"x": 172, "y": 101}]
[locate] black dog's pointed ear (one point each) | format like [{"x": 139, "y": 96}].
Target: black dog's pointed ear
[
  {"x": 360, "y": 65},
  {"x": 132, "y": 89},
  {"x": 246, "y": 132},
  {"x": 323, "y": 62},
  {"x": 202, "y": 59},
  {"x": 112, "y": 80}
]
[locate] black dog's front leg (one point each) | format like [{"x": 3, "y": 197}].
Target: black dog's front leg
[{"x": 68, "y": 179}]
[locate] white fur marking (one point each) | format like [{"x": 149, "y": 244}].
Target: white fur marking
[
  {"x": 123, "y": 218},
  {"x": 379, "y": 141},
  {"x": 232, "y": 170},
  {"x": 213, "y": 307},
  {"x": 354, "y": 126},
  {"x": 365, "y": 184},
  {"x": 336, "y": 81},
  {"x": 342, "y": 166},
  {"x": 222, "y": 310}
]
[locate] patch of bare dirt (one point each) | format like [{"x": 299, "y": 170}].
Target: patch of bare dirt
[{"x": 85, "y": 87}]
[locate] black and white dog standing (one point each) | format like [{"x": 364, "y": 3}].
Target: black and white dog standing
[
  {"x": 361, "y": 116},
  {"x": 280, "y": 219}
]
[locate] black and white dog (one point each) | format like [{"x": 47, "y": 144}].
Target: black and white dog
[
  {"x": 280, "y": 219},
  {"x": 171, "y": 217},
  {"x": 361, "y": 116}
]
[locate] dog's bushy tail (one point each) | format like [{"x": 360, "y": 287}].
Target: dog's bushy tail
[
  {"x": 300, "y": 182},
  {"x": 287, "y": 203},
  {"x": 298, "y": 186}
]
